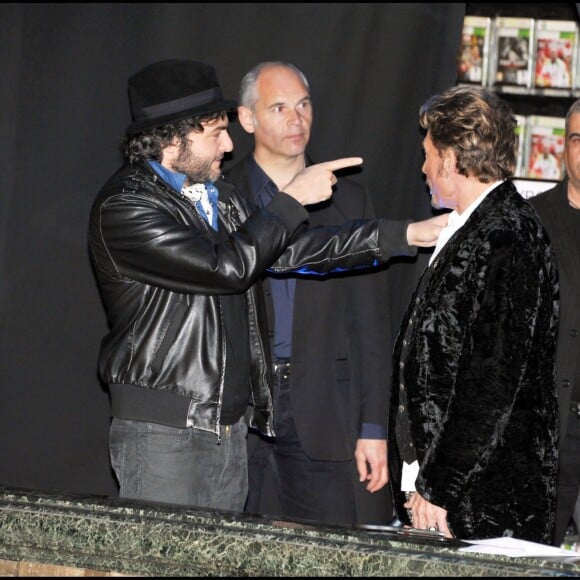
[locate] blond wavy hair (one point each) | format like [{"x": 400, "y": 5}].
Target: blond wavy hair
[{"x": 478, "y": 125}]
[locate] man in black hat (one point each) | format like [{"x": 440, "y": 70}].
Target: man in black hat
[{"x": 178, "y": 254}]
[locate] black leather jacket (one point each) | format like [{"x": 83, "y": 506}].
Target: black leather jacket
[{"x": 162, "y": 269}]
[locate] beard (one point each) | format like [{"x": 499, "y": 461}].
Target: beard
[{"x": 195, "y": 169}]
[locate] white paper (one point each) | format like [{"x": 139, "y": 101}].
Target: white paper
[{"x": 518, "y": 548}]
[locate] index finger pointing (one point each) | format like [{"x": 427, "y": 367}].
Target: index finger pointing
[{"x": 341, "y": 163}]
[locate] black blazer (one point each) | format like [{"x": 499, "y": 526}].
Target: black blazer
[
  {"x": 561, "y": 222},
  {"x": 477, "y": 365},
  {"x": 341, "y": 360}
]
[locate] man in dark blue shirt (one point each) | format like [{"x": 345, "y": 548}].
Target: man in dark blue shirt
[{"x": 328, "y": 335}]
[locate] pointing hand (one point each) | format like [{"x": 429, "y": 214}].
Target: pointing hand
[{"x": 314, "y": 183}]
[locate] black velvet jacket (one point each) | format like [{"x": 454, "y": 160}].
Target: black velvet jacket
[{"x": 479, "y": 375}]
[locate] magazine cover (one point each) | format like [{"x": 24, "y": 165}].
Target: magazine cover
[
  {"x": 521, "y": 145},
  {"x": 473, "y": 54},
  {"x": 511, "y": 51},
  {"x": 545, "y": 147},
  {"x": 555, "y": 53}
]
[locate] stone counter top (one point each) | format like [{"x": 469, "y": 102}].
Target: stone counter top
[{"x": 133, "y": 538}]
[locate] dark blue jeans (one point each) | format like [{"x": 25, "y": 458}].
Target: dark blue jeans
[
  {"x": 180, "y": 466},
  {"x": 307, "y": 489}
]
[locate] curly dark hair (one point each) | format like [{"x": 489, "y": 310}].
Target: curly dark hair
[
  {"x": 149, "y": 143},
  {"x": 478, "y": 125}
]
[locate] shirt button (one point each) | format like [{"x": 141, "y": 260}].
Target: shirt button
[
  {"x": 402, "y": 408},
  {"x": 402, "y": 386},
  {"x": 401, "y": 364}
]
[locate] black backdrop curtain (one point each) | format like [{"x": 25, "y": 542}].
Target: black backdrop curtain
[{"x": 63, "y": 111}]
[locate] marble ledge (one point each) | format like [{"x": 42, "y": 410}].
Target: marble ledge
[{"x": 131, "y": 538}]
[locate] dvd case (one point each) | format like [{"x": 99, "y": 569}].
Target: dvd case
[
  {"x": 555, "y": 53},
  {"x": 511, "y": 51},
  {"x": 521, "y": 145},
  {"x": 544, "y": 157},
  {"x": 473, "y": 53}
]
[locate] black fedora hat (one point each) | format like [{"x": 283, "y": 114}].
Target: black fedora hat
[{"x": 174, "y": 89}]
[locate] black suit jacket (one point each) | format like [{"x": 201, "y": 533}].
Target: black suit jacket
[
  {"x": 476, "y": 358},
  {"x": 341, "y": 355},
  {"x": 556, "y": 215}
]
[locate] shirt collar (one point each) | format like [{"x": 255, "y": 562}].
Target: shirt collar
[
  {"x": 263, "y": 187},
  {"x": 172, "y": 178},
  {"x": 456, "y": 220}
]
